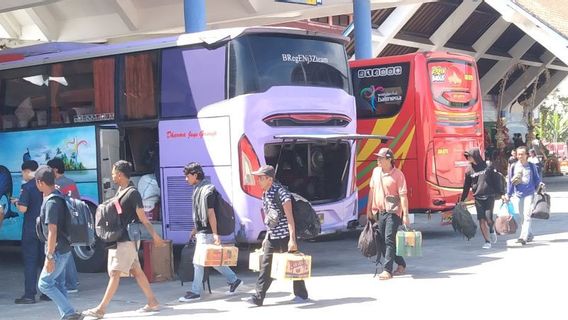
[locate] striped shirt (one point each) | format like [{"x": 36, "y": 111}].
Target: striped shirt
[{"x": 268, "y": 201}]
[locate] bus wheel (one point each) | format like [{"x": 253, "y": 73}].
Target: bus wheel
[{"x": 90, "y": 259}]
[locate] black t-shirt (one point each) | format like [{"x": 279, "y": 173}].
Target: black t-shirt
[
  {"x": 54, "y": 211},
  {"x": 129, "y": 203},
  {"x": 211, "y": 202}
]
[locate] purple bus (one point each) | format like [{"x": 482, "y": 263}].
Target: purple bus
[{"x": 231, "y": 99}]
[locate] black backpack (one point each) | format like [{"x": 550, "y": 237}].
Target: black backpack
[
  {"x": 463, "y": 222},
  {"x": 108, "y": 225},
  {"x": 79, "y": 225},
  {"x": 225, "y": 215},
  {"x": 306, "y": 220}
]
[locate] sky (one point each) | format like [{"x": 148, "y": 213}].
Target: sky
[{"x": 563, "y": 87}]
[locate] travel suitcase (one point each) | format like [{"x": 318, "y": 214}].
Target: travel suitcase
[
  {"x": 409, "y": 243},
  {"x": 185, "y": 268},
  {"x": 158, "y": 261}
]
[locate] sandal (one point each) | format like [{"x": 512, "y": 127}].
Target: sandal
[
  {"x": 147, "y": 308},
  {"x": 399, "y": 270},
  {"x": 94, "y": 313},
  {"x": 385, "y": 275}
]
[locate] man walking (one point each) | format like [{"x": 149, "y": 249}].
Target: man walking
[
  {"x": 57, "y": 248},
  {"x": 279, "y": 238},
  {"x": 479, "y": 178},
  {"x": 67, "y": 187},
  {"x": 522, "y": 183},
  {"x": 123, "y": 261},
  {"x": 204, "y": 198},
  {"x": 388, "y": 204},
  {"x": 29, "y": 204}
]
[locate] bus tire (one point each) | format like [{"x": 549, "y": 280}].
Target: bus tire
[{"x": 93, "y": 258}]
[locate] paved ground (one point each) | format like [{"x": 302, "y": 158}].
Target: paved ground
[{"x": 454, "y": 279}]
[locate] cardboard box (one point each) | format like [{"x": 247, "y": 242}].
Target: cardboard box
[
  {"x": 255, "y": 260},
  {"x": 158, "y": 261},
  {"x": 409, "y": 243},
  {"x": 291, "y": 266},
  {"x": 210, "y": 255}
]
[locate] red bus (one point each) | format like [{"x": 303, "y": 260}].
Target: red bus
[{"x": 430, "y": 103}]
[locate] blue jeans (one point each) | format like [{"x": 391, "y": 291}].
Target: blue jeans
[
  {"x": 32, "y": 254},
  {"x": 71, "y": 280},
  {"x": 53, "y": 284},
  {"x": 199, "y": 271}
]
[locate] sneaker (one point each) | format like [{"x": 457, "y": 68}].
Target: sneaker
[
  {"x": 24, "y": 300},
  {"x": 521, "y": 241},
  {"x": 530, "y": 238},
  {"x": 487, "y": 245},
  {"x": 233, "y": 286},
  {"x": 189, "y": 297},
  {"x": 254, "y": 300},
  {"x": 493, "y": 237},
  {"x": 44, "y": 297},
  {"x": 74, "y": 316},
  {"x": 298, "y": 299},
  {"x": 72, "y": 290}
]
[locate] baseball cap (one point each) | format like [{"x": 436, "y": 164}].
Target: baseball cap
[
  {"x": 385, "y": 153},
  {"x": 266, "y": 170}
]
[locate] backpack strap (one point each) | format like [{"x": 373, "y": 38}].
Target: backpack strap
[{"x": 119, "y": 196}]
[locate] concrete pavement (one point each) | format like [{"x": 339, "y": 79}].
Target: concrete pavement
[{"x": 454, "y": 278}]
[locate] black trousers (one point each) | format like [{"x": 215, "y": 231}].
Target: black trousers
[
  {"x": 388, "y": 226},
  {"x": 33, "y": 257},
  {"x": 264, "y": 280}
]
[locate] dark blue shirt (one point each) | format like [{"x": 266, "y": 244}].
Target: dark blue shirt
[
  {"x": 269, "y": 202},
  {"x": 32, "y": 198}
]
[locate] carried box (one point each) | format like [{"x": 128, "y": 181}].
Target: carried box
[
  {"x": 210, "y": 255},
  {"x": 255, "y": 260},
  {"x": 409, "y": 243},
  {"x": 291, "y": 266}
]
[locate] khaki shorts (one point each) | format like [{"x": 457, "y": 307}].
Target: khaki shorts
[{"x": 124, "y": 258}]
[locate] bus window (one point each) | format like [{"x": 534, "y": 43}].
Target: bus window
[
  {"x": 82, "y": 91},
  {"x": 380, "y": 91},
  {"x": 138, "y": 86},
  {"x": 24, "y": 98},
  {"x": 191, "y": 79},
  {"x": 453, "y": 83},
  {"x": 259, "y": 62}
]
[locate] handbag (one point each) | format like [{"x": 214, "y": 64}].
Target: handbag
[
  {"x": 137, "y": 231},
  {"x": 505, "y": 222},
  {"x": 541, "y": 204}
]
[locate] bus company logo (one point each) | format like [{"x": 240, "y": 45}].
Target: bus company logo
[
  {"x": 170, "y": 134},
  {"x": 307, "y": 58},
  {"x": 438, "y": 74},
  {"x": 378, "y": 94},
  {"x": 455, "y": 79},
  {"x": 379, "y": 72}
]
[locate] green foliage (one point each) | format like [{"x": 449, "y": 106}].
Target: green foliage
[{"x": 553, "y": 124}]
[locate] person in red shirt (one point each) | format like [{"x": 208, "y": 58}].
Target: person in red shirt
[{"x": 388, "y": 204}]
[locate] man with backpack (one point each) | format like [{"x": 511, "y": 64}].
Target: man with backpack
[
  {"x": 123, "y": 260},
  {"x": 280, "y": 236},
  {"x": 482, "y": 180},
  {"x": 204, "y": 199},
  {"x": 69, "y": 188},
  {"x": 388, "y": 204},
  {"x": 522, "y": 183},
  {"x": 29, "y": 204},
  {"x": 52, "y": 223}
]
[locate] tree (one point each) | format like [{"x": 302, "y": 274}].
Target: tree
[{"x": 553, "y": 125}]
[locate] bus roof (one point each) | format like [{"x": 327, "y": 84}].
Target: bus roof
[
  {"x": 411, "y": 56},
  {"x": 59, "y": 52}
]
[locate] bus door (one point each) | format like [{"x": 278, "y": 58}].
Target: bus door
[
  {"x": 321, "y": 168},
  {"x": 109, "y": 153}
]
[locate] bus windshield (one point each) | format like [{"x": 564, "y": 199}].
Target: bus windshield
[
  {"x": 453, "y": 83},
  {"x": 259, "y": 62}
]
